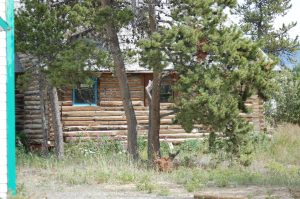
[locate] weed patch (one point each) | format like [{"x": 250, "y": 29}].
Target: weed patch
[{"x": 146, "y": 184}]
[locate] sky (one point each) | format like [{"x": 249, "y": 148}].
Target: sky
[{"x": 292, "y": 15}]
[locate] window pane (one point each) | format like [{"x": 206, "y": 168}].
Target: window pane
[
  {"x": 85, "y": 94},
  {"x": 166, "y": 93}
]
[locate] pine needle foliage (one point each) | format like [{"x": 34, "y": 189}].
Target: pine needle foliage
[
  {"x": 219, "y": 67},
  {"x": 50, "y": 33},
  {"x": 257, "y": 21}
]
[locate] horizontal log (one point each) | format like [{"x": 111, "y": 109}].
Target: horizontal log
[
  {"x": 96, "y": 128},
  {"x": 175, "y": 141},
  {"x": 120, "y": 103},
  {"x": 94, "y": 133},
  {"x": 32, "y": 116},
  {"x": 31, "y": 97},
  {"x": 101, "y": 108},
  {"x": 35, "y": 136},
  {"x": 113, "y": 105},
  {"x": 32, "y": 126},
  {"x": 74, "y": 139},
  {"x": 109, "y": 122},
  {"x": 163, "y": 128},
  {"x": 124, "y": 133},
  {"x": 183, "y": 135},
  {"x": 105, "y": 118},
  {"x": 33, "y": 121},
  {"x": 117, "y": 89},
  {"x": 31, "y": 108},
  {"x": 27, "y": 93},
  {"x": 32, "y": 131},
  {"x": 111, "y": 118},
  {"x": 90, "y": 124},
  {"x": 170, "y": 131},
  {"x": 78, "y": 112},
  {"x": 114, "y": 85},
  {"x": 65, "y": 103},
  {"x": 180, "y": 140},
  {"x": 114, "y": 98},
  {"x": 33, "y": 112},
  {"x": 115, "y": 80}
]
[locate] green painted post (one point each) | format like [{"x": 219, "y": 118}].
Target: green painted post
[
  {"x": 3, "y": 24},
  {"x": 10, "y": 53}
]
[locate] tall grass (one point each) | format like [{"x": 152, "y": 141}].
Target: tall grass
[
  {"x": 276, "y": 161},
  {"x": 285, "y": 145}
]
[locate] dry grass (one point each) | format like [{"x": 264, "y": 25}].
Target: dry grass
[
  {"x": 276, "y": 162},
  {"x": 285, "y": 146}
]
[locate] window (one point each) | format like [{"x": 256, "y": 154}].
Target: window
[
  {"x": 86, "y": 94},
  {"x": 166, "y": 93}
]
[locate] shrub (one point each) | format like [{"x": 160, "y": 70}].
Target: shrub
[
  {"x": 285, "y": 105},
  {"x": 103, "y": 145},
  {"x": 192, "y": 146}
]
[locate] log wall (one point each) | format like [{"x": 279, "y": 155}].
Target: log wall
[
  {"x": 19, "y": 111},
  {"x": 108, "y": 117},
  {"x": 256, "y": 116},
  {"x": 28, "y": 108}
]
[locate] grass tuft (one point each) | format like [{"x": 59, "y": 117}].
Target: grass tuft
[{"x": 275, "y": 162}]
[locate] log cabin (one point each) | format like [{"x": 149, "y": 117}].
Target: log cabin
[
  {"x": 91, "y": 112},
  {"x": 7, "y": 102}
]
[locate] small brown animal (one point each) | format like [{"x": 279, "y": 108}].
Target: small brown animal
[{"x": 165, "y": 164}]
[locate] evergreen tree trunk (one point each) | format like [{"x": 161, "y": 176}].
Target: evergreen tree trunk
[
  {"x": 42, "y": 88},
  {"x": 154, "y": 105},
  {"x": 154, "y": 119},
  {"x": 56, "y": 121},
  {"x": 120, "y": 72}
]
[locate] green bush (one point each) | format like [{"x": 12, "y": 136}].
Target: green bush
[
  {"x": 192, "y": 146},
  {"x": 103, "y": 145},
  {"x": 285, "y": 105}
]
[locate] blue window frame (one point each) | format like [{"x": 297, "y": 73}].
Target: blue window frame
[{"x": 86, "y": 94}]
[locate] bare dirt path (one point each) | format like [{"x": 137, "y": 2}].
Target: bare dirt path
[
  {"x": 251, "y": 192},
  {"x": 37, "y": 185}
]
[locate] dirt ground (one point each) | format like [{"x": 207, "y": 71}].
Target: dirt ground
[{"x": 36, "y": 185}]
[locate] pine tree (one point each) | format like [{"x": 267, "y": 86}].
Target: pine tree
[
  {"x": 219, "y": 67},
  {"x": 285, "y": 108},
  {"x": 70, "y": 37},
  {"x": 45, "y": 32},
  {"x": 257, "y": 21}
]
